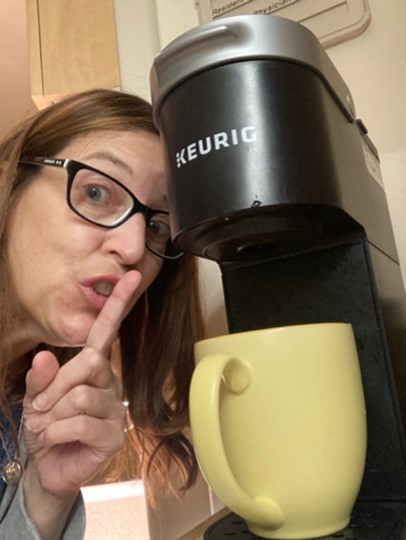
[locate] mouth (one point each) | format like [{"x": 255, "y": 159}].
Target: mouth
[
  {"x": 104, "y": 288},
  {"x": 98, "y": 289}
]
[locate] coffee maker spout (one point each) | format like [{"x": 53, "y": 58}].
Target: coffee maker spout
[{"x": 264, "y": 232}]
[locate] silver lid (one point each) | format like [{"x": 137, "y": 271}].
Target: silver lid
[{"x": 244, "y": 37}]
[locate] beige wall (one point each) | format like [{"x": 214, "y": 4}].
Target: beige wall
[{"x": 138, "y": 43}]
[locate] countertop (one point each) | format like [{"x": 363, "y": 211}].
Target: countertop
[{"x": 198, "y": 532}]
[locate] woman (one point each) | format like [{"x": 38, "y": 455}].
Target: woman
[{"x": 91, "y": 287}]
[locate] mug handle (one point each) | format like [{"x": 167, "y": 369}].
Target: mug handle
[{"x": 204, "y": 395}]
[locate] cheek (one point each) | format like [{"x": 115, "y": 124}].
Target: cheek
[
  {"x": 44, "y": 249},
  {"x": 35, "y": 223},
  {"x": 25, "y": 247}
]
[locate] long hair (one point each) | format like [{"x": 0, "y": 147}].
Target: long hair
[{"x": 156, "y": 339}]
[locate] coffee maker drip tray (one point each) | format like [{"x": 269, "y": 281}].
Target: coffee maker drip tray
[{"x": 370, "y": 521}]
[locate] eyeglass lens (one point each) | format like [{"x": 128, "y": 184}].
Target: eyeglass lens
[{"x": 102, "y": 201}]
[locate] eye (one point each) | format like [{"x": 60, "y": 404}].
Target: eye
[
  {"x": 95, "y": 193},
  {"x": 158, "y": 226},
  {"x": 91, "y": 188},
  {"x": 98, "y": 198}
]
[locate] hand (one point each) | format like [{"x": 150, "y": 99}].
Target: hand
[{"x": 74, "y": 416}]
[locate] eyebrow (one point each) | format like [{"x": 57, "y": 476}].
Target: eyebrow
[{"x": 111, "y": 157}]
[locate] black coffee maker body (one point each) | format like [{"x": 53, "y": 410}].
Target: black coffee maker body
[{"x": 273, "y": 176}]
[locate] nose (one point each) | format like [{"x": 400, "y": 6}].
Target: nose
[{"x": 127, "y": 241}]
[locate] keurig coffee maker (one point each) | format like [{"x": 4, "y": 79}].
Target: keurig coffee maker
[{"x": 272, "y": 175}]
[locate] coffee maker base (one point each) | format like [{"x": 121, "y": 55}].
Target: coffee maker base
[{"x": 369, "y": 521}]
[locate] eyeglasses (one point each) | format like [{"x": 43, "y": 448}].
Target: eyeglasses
[{"x": 102, "y": 200}]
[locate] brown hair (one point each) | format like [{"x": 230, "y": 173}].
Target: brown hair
[{"x": 156, "y": 339}]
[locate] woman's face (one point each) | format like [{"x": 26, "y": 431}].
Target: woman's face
[{"x": 62, "y": 267}]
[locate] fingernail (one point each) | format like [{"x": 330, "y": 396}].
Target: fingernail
[{"x": 40, "y": 402}]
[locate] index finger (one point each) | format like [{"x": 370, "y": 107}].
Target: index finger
[{"x": 105, "y": 327}]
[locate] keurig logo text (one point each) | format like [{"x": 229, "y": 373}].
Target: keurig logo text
[{"x": 215, "y": 142}]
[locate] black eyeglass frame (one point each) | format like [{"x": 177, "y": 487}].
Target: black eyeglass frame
[{"x": 72, "y": 167}]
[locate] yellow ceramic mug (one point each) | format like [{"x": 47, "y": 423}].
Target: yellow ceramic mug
[{"x": 279, "y": 428}]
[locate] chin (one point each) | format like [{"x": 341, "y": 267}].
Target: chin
[{"x": 75, "y": 333}]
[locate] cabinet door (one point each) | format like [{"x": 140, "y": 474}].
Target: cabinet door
[
  {"x": 15, "y": 93},
  {"x": 73, "y": 47}
]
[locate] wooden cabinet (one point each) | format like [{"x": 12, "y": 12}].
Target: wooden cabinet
[
  {"x": 15, "y": 92},
  {"x": 72, "y": 47}
]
